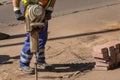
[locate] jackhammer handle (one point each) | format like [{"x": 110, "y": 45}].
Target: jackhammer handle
[{"x": 35, "y": 25}]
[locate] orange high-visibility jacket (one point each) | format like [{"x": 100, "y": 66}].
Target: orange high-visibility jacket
[{"x": 47, "y": 3}]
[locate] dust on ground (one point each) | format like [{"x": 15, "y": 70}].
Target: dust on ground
[{"x": 70, "y": 55}]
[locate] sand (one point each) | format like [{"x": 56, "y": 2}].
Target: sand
[{"x": 69, "y": 46}]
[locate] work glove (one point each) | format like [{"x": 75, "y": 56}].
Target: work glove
[
  {"x": 19, "y": 15},
  {"x": 48, "y": 14}
]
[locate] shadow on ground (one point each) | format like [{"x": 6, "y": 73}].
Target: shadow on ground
[
  {"x": 58, "y": 38},
  {"x": 5, "y": 59},
  {"x": 71, "y": 67},
  {"x": 4, "y": 36},
  {"x": 76, "y": 70}
]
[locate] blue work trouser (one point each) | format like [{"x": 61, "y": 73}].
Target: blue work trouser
[{"x": 26, "y": 55}]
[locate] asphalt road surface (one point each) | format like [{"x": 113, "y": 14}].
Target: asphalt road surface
[
  {"x": 69, "y": 5},
  {"x": 61, "y": 7}
]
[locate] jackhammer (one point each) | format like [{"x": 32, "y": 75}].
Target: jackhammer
[{"x": 34, "y": 16}]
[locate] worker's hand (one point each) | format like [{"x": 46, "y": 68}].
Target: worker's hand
[
  {"x": 19, "y": 15},
  {"x": 48, "y": 14}
]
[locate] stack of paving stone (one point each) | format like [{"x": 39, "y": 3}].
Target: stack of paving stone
[{"x": 106, "y": 56}]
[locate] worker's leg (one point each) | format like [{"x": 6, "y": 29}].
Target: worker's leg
[
  {"x": 42, "y": 41},
  {"x": 43, "y": 35},
  {"x": 26, "y": 56}
]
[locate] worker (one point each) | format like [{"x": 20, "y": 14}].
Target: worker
[{"x": 26, "y": 55}]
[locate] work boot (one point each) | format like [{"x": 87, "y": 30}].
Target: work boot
[
  {"x": 27, "y": 69},
  {"x": 45, "y": 66},
  {"x": 19, "y": 15}
]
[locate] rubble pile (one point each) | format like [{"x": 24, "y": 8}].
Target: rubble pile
[{"x": 107, "y": 56}]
